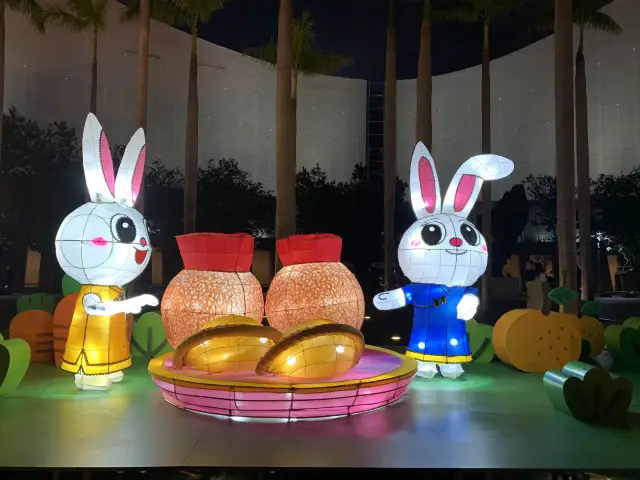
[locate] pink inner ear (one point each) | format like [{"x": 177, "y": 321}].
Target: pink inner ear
[
  {"x": 427, "y": 184},
  {"x": 463, "y": 192},
  {"x": 107, "y": 163},
  {"x": 138, "y": 173}
]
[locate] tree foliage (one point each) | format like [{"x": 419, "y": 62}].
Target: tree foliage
[
  {"x": 586, "y": 13},
  {"x": 306, "y": 60},
  {"x": 78, "y": 15}
]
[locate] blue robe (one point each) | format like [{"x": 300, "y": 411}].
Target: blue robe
[{"x": 438, "y": 335}]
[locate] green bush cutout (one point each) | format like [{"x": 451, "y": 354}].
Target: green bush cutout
[
  {"x": 480, "y": 341},
  {"x": 37, "y": 301},
  {"x": 15, "y": 356},
  {"x": 588, "y": 393},
  {"x": 623, "y": 342},
  {"x": 69, "y": 285},
  {"x": 148, "y": 339}
]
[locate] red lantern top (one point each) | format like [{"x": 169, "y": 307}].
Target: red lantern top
[
  {"x": 220, "y": 252},
  {"x": 297, "y": 249}
]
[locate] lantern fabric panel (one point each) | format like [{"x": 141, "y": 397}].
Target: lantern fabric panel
[
  {"x": 97, "y": 344},
  {"x": 318, "y": 350}
]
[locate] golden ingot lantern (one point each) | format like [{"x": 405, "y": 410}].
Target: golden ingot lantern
[
  {"x": 313, "y": 284},
  {"x": 216, "y": 282},
  {"x": 226, "y": 344},
  {"x": 314, "y": 349}
]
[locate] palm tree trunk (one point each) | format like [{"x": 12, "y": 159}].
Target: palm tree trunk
[
  {"x": 93, "y": 105},
  {"x": 2, "y": 48},
  {"x": 285, "y": 167},
  {"x": 191, "y": 144},
  {"x": 424, "y": 87},
  {"x": 486, "y": 148},
  {"x": 293, "y": 147},
  {"x": 563, "y": 46},
  {"x": 582, "y": 161},
  {"x": 144, "y": 30},
  {"x": 389, "y": 140}
]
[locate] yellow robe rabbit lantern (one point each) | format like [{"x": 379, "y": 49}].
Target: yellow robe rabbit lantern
[{"x": 104, "y": 244}]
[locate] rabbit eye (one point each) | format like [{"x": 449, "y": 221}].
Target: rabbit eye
[
  {"x": 470, "y": 234},
  {"x": 123, "y": 229},
  {"x": 432, "y": 234}
]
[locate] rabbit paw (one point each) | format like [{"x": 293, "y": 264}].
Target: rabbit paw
[
  {"x": 426, "y": 369},
  {"x": 450, "y": 370}
]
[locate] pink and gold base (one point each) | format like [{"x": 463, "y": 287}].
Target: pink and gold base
[{"x": 381, "y": 377}]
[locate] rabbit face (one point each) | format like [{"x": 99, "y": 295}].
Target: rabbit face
[
  {"x": 106, "y": 241},
  {"x": 442, "y": 247},
  {"x": 103, "y": 244},
  {"x": 444, "y": 250}
]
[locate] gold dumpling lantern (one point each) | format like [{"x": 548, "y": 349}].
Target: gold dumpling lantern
[
  {"x": 215, "y": 282},
  {"x": 313, "y": 284}
]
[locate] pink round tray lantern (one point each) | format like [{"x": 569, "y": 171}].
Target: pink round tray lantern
[
  {"x": 313, "y": 284},
  {"x": 216, "y": 281}
]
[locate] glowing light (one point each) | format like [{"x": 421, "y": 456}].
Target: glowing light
[
  {"x": 263, "y": 340},
  {"x": 339, "y": 349},
  {"x": 313, "y": 284},
  {"x": 291, "y": 360},
  {"x": 443, "y": 255},
  {"x": 395, "y": 338},
  {"x": 367, "y": 317},
  {"x": 110, "y": 223}
]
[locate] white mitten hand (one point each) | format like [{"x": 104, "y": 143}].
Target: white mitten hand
[
  {"x": 468, "y": 306},
  {"x": 135, "y": 304},
  {"x": 147, "y": 299},
  {"x": 390, "y": 300}
]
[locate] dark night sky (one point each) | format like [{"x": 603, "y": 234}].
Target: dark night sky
[{"x": 357, "y": 29}]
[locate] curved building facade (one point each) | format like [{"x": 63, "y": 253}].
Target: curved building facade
[
  {"x": 48, "y": 79},
  {"x": 522, "y": 102}
]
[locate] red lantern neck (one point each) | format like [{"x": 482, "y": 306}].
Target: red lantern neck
[
  {"x": 298, "y": 249},
  {"x": 220, "y": 252}
]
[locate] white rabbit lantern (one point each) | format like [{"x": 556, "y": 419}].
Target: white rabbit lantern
[
  {"x": 442, "y": 254},
  {"x": 104, "y": 244}
]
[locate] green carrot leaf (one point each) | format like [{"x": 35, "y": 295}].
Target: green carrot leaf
[
  {"x": 591, "y": 308},
  {"x": 563, "y": 295}
]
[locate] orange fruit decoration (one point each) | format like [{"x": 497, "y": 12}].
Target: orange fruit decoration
[
  {"x": 36, "y": 328},
  {"x": 62, "y": 316},
  {"x": 216, "y": 282},
  {"x": 313, "y": 284},
  {"x": 537, "y": 340}
]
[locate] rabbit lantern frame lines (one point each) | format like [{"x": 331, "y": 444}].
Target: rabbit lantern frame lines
[
  {"x": 442, "y": 254},
  {"x": 104, "y": 244}
]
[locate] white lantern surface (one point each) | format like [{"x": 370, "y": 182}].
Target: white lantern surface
[
  {"x": 104, "y": 244},
  {"x": 442, "y": 254}
]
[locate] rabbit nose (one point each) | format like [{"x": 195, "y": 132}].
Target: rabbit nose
[
  {"x": 455, "y": 242},
  {"x": 143, "y": 242}
]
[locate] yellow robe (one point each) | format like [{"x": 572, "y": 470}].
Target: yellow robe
[{"x": 97, "y": 344}]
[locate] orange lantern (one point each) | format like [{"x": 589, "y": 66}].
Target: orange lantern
[
  {"x": 216, "y": 282},
  {"x": 313, "y": 284}
]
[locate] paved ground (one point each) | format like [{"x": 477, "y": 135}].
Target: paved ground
[{"x": 492, "y": 417}]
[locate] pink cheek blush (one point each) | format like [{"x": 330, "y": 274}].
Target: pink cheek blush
[
  {"x": 415, "y": 243},
  {"x": 484, "y": 248},
  {"x": 99, "y": 242}
]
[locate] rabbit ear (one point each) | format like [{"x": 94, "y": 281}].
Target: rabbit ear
[
  {"x": 465, "y": 186},
  {"x": 131, "y": 170},
  {"x": 423, "y": 182},
  {"x": 97, "y": 162}
]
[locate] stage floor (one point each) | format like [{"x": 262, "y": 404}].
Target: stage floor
[{"x": 493, "y": 417}]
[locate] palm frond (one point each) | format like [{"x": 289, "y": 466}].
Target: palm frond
[
  {"x": 602, "y": 22},
  {"x": 317, "y": 63},
  {"x": 457, "y": 11},
  {"x": 200, "y": 10},
  {"x": 32, "y": 9},
  {"x": 265, "y": 53},
  {"x": 496, "y": 8},
  {"x": 62, "y": 17},
  {"x": 544, "y": 19},
  {"x": 165, "y": 11}
]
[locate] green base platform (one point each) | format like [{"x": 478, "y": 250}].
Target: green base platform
[{"x": 492, "y": 417}]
